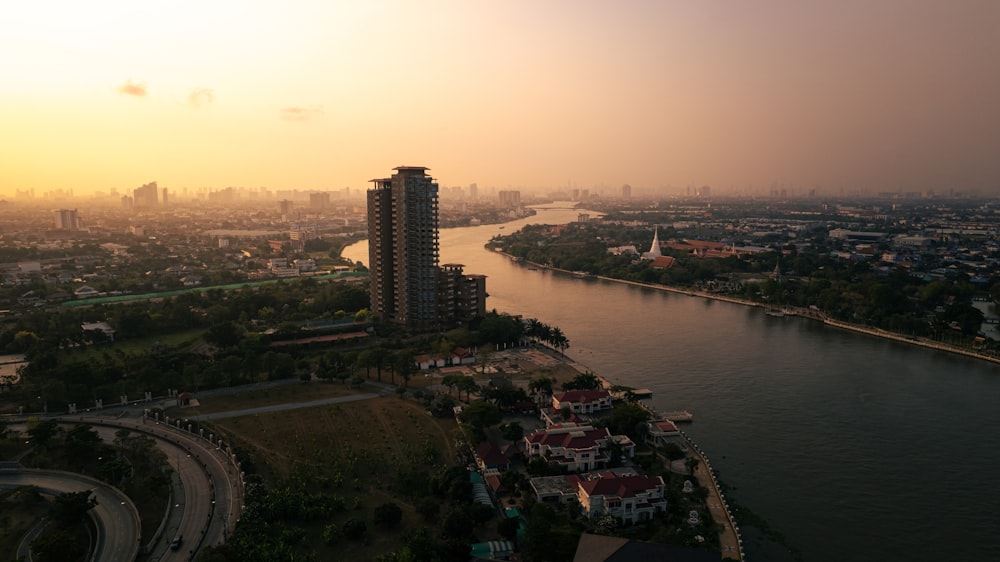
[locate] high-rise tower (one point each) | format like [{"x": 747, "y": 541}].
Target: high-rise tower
[
  {"x": 403, "y": 247},
  {"x": 146, "y": 196}
]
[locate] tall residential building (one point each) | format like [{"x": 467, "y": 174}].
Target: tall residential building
[
  {"x": 461, "y": 296},
  {"x": 403, "y": 247},
  {"x": 147, "y": 196},
  {"x": 67, "y": 219},
  {"x": 510, "y": 198},
  {"x": 626, "y": 191},
  {"x": 319, "y": 200}
]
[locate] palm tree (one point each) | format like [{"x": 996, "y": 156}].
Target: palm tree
[
  {"x": 559, "y": 340},
  {"x": 535, "y": 329},
  {"x": 542, "y": 386}
]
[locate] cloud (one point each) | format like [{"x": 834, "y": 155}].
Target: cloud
[
  {"x": 296, "y": 113},
  {"x": 201, "y": 96},
  {"x": 130, "y": 88}
]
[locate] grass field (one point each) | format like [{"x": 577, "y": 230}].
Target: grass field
[
  {"x": 266, "y": 397},
  {"x": 133, "y": 346},
  {"x": 366, "y": 453}
]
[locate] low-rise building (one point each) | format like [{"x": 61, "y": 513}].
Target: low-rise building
[
  {"x": 629, "y": 499},
  {"x": 582, "y": 401},
  {"x": 663, "y": 432},
  {"x": 576, "y": 448}
]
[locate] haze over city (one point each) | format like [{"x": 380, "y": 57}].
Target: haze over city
[{"x": 884, "y": 96}]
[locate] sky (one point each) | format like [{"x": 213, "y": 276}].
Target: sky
[{"x": 881, "y": 95}]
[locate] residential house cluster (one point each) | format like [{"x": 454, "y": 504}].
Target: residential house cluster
[{"x": 622, "y": 494}]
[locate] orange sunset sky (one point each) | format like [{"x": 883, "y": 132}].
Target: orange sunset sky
[{"x": 885, "y": 95}]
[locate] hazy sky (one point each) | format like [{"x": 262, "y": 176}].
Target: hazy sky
[{"x": 883, "y": 94}]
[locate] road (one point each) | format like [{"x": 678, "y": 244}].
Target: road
[
  {"x": 206, "y": 507},
  {"x": 115, "y": 516},
  {"x": 207, "y": 493}
]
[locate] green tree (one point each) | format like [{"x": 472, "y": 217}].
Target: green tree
[
  {"x": 354, "y": 529},
  {"x": 467, "y": 384},
  {"x": 82, "y": 442},
  {"x": 224, "y": 334},
  {"x": 388, "y": 515},
  {"x": 481, "y": 414},
  {"x": 43, "y": 432},
  {"x": 625, "y": 418},
  {"x": 458, "y": 523},
  {"x": 57, "y": 545},
  {"x": 512, "y": 431},
  {"x": 405, "y": 365},
  {"x": 541, "y": 388},
  {"x": 583, "y": 381},
  {"x": 69, "y": 508}
]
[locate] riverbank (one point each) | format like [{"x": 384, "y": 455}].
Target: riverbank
[
  {"x": 789, "y": 311},
  {"x": 730, "y": 540}
]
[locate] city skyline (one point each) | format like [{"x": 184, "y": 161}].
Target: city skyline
[{"x": 888, "y": 96}]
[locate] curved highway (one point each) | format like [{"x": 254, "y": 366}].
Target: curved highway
[
  {"x": 115, "y": 516},
  {"x": 209, "y": 504}
]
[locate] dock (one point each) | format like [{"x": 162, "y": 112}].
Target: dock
[{"x": 678, "y": 416}]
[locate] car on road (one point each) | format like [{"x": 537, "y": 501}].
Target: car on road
[{"x": 176, "y": 543}]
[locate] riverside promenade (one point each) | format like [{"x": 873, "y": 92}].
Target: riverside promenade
[{"x": 730, "y": 541}]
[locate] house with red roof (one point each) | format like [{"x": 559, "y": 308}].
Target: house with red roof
[
  {"x": 429, "y": 361},
  {"x": 461, "y": 356},
  {"x": 628, "y": 498},
  {"x": 490, "y": 458},
  {"x": 575, "y": 448},
  {"x": 582, "y": 401},
  {"x": 660, "y": 433}
]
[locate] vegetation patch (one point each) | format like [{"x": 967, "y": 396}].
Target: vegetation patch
[{"x": 345, "y": 481}]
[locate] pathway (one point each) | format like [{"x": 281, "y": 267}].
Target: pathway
[{"x": 283, "y": 407}]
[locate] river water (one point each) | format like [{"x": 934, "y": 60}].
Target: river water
[{"x": 853, "y": 447}]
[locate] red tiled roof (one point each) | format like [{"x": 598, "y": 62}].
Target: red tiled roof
[
  {"x": 610, "y": 484},
  {"x": 493, "y": 481},
  {"x": 490, "y": 454},
  {"x": 582, "y": 439},
  {"x": 581, "y": 396},
  {"x": 663, "y": 262},
  {"x": 665, "y": 426}
]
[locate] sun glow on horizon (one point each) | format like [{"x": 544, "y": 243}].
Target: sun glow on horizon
[{"x": 316, "y": 95}]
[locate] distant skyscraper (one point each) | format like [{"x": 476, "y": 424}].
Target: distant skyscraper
[
  {"x": 626, "y": 191},
  {"x": 147, "y": 196},
  {"x": 67, "y": 219},
  {"x": 473, "y": 192},
  {"x": 285, "y": 206},
  {"x": 403, "y": 247},
  {"x": 319, "y": 200},
  {"x": 510, "y": 198}
]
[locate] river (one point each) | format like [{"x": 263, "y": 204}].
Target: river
[{"x": 853, "y": 447}]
